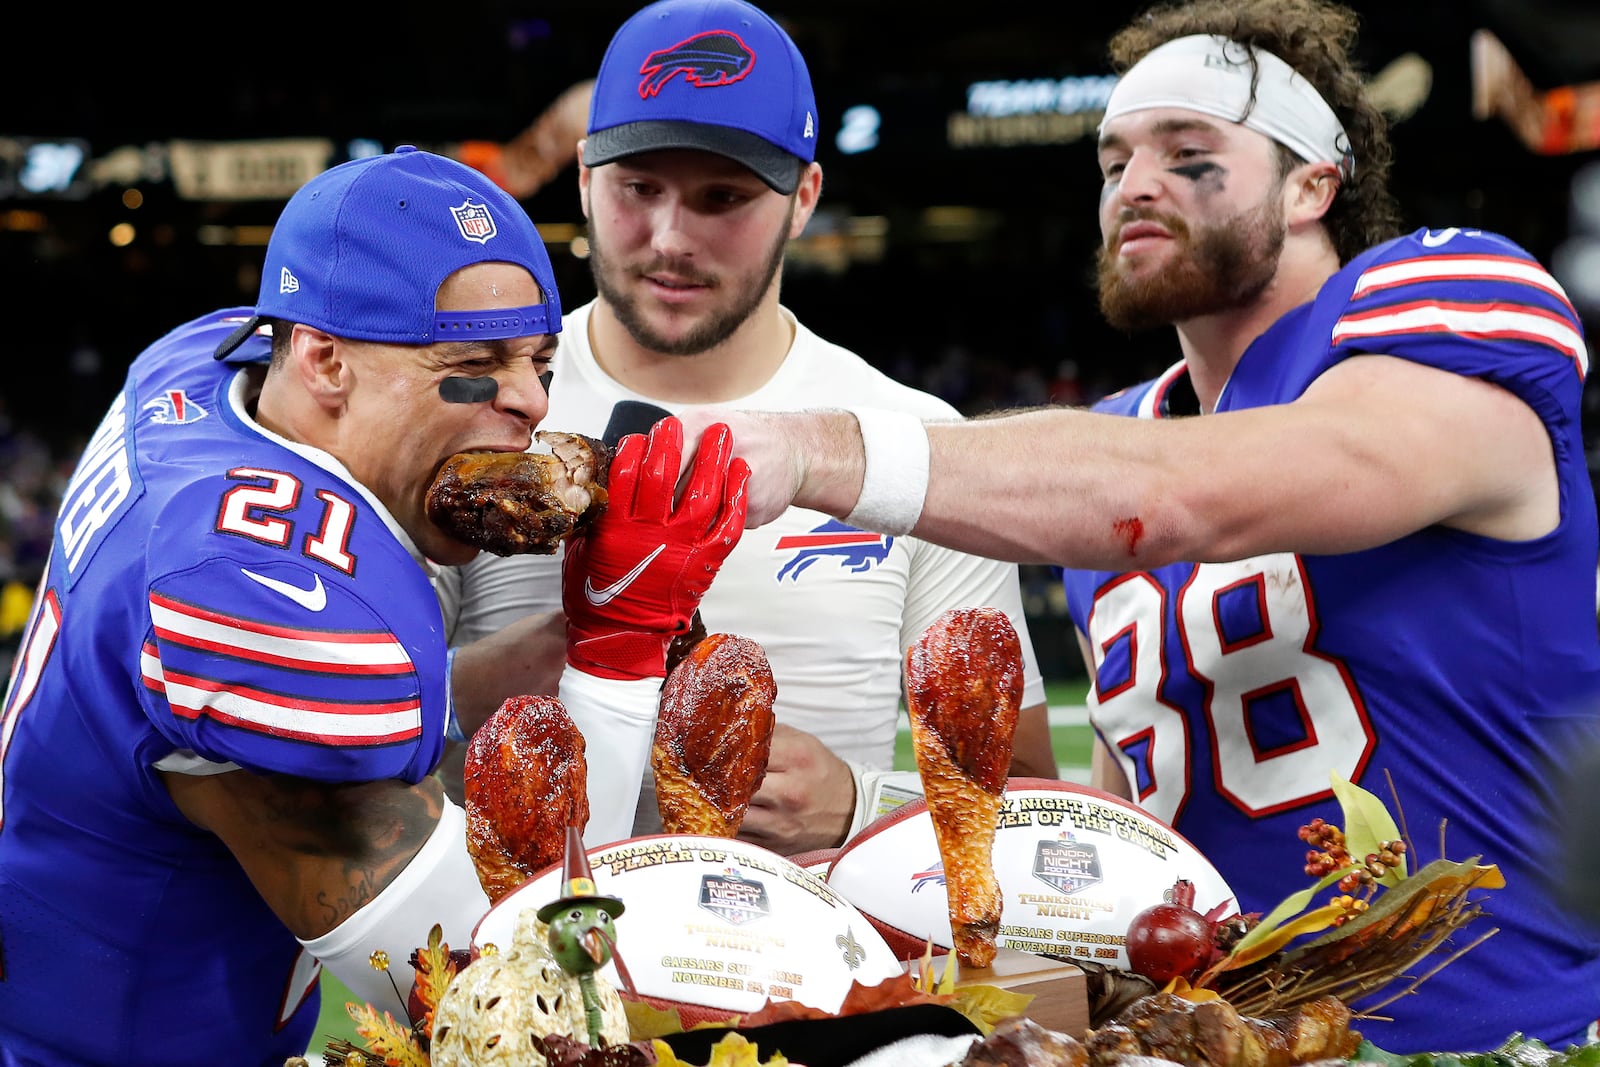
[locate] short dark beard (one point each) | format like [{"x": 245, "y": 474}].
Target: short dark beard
[
  {"x": 703, "y": 337},
  {"x": 1228, "y": 266}
]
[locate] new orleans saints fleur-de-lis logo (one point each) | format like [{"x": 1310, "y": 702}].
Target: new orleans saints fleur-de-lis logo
[{"x": 854, "y": 954}]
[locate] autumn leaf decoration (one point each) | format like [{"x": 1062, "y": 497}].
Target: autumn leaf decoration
[
  {"x": 436, "y": 968},
  {"x": 984, "y": 1005},
  {"x": 1368, "y": 940},
  {"x": 732, "y": 1051},
  {"x": 389, "y": 1041},
  {"x": 392, "y": 1043}
]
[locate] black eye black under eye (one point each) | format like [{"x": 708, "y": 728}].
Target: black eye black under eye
[
  {"x": 460, "y": 390},
  {"x": 1195, "y": 171}
]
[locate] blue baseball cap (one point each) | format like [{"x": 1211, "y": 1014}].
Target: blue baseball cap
[
  {"x": 716, "y": 75},
  {"x": 361, "y": 250}
]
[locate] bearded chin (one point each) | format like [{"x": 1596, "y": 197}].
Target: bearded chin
[
  {"x": 745, "y": 295},
  {"x": 1225, "y": 267}
]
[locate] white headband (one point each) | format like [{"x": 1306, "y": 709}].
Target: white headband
[{"x": 1212, "y": 74}]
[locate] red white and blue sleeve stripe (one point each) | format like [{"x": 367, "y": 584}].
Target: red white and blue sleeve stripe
[
  {"x": 1481, "y": 296},
  {"x": 334, "y": 687}
]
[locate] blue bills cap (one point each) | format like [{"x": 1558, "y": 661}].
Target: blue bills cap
[
  {"x": 361, "y": 250},
  {"x": 716, "y": 75}
]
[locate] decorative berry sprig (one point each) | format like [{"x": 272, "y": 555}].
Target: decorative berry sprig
[{"x": 1329, "y": 853}]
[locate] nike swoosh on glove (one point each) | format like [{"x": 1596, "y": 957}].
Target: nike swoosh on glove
[{"x": 633, "y": 581}]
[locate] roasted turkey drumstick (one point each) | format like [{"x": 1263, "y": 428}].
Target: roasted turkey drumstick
[
  {"x": 963, "y": 690},
  {"x": 525, "y": 781},
  {"x": 510, "y": 503},
  {"x": 713, "y": 736}
]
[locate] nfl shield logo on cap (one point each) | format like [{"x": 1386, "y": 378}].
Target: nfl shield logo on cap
[{"x": 474, "y": 221}]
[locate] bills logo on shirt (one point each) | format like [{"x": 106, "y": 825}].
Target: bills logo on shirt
[
  {"x": 174, "y": 408},
  {"x": 855, "y": 550}
]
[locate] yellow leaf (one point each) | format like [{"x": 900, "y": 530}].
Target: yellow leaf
[
  {"x": 645, "y": 1021},
  {"x": 1310, "y": 922},
  {"x": 386, "y": 1039},
  {"x": 732, "y": 1051},
  {"x": 1293, "y": 904},
  {"x": 1397, "y": 910},
  {"x": 1179, "y": 986},
  {"x": 1489, "y": 877},
  {"x": 435, "y": 969},
  {"x": 947, "y": 981},
  {"x": 987, "y": 1005}
]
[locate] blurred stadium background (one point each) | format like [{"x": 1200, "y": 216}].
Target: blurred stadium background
[{"x": 140, "y": 177}]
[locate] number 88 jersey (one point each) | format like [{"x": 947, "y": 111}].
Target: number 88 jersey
[{"x": 1458, "y": 666}]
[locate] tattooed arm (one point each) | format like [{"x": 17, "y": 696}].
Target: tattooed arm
[
  {"x": 351, "y": 869},
  {"x": 317, "y": 852}
]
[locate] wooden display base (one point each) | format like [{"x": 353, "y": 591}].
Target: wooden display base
[{"x": 1059, "y": 990}]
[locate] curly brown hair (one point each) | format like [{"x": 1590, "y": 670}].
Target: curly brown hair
[{"x": 1315, "y": 38}]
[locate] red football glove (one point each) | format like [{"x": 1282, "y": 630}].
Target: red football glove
[{"x": 633, "y": 581}]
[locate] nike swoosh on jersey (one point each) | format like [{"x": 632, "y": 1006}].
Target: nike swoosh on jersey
[
  {"x": 601, "y": 597},
  {"x": 313, "y": 599}
]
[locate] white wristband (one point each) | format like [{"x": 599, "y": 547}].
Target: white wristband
[
  {"x": 895, "y": 481},
  {"x": 439, "y": 885},
  {"x": 879, "y": 792},
  {"x": 617, "y": 717}
]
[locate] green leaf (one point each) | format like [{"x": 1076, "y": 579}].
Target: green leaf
[
  {"x": 1517, "y": 1051},
  {"x": 1367, "y": 825}
]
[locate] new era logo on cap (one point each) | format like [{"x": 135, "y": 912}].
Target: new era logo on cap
[{"x": 288, "y": 283}]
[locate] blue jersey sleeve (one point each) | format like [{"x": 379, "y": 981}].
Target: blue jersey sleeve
[
  {"x": 1468, "y": 302},
  {"x": 274, "y": 662}
]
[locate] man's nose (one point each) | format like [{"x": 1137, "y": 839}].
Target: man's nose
[
  {"x": 1142, "y": 178},
  {"x": 669, "y": 232},
  {"x": 522, "y": 391}
]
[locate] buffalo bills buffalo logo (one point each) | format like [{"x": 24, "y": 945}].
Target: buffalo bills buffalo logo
[
  {"x": 174, "y": 408},
  {"x": 856, "y": 550},
  {"x": 932, "y": 876},
  {"x": 715, "y": 57}
]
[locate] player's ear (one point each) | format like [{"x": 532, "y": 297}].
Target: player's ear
[
  {"x": 317, "y": 359},
  {"x": 806, "y": 195},
  {"x": 583, "y": 180},
  {"x": 1309, "y": 192}
]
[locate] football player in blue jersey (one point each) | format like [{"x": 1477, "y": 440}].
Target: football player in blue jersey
[
  {"x": 215, "y": 748},
  {"x": 1350, "y": 531}
]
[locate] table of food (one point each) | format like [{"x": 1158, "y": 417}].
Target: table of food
[{"x": 991, "y": 921}]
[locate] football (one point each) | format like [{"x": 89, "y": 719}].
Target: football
[
  {"x": 717, "y": 926},
  {"x": 1075, "y": 865}
]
